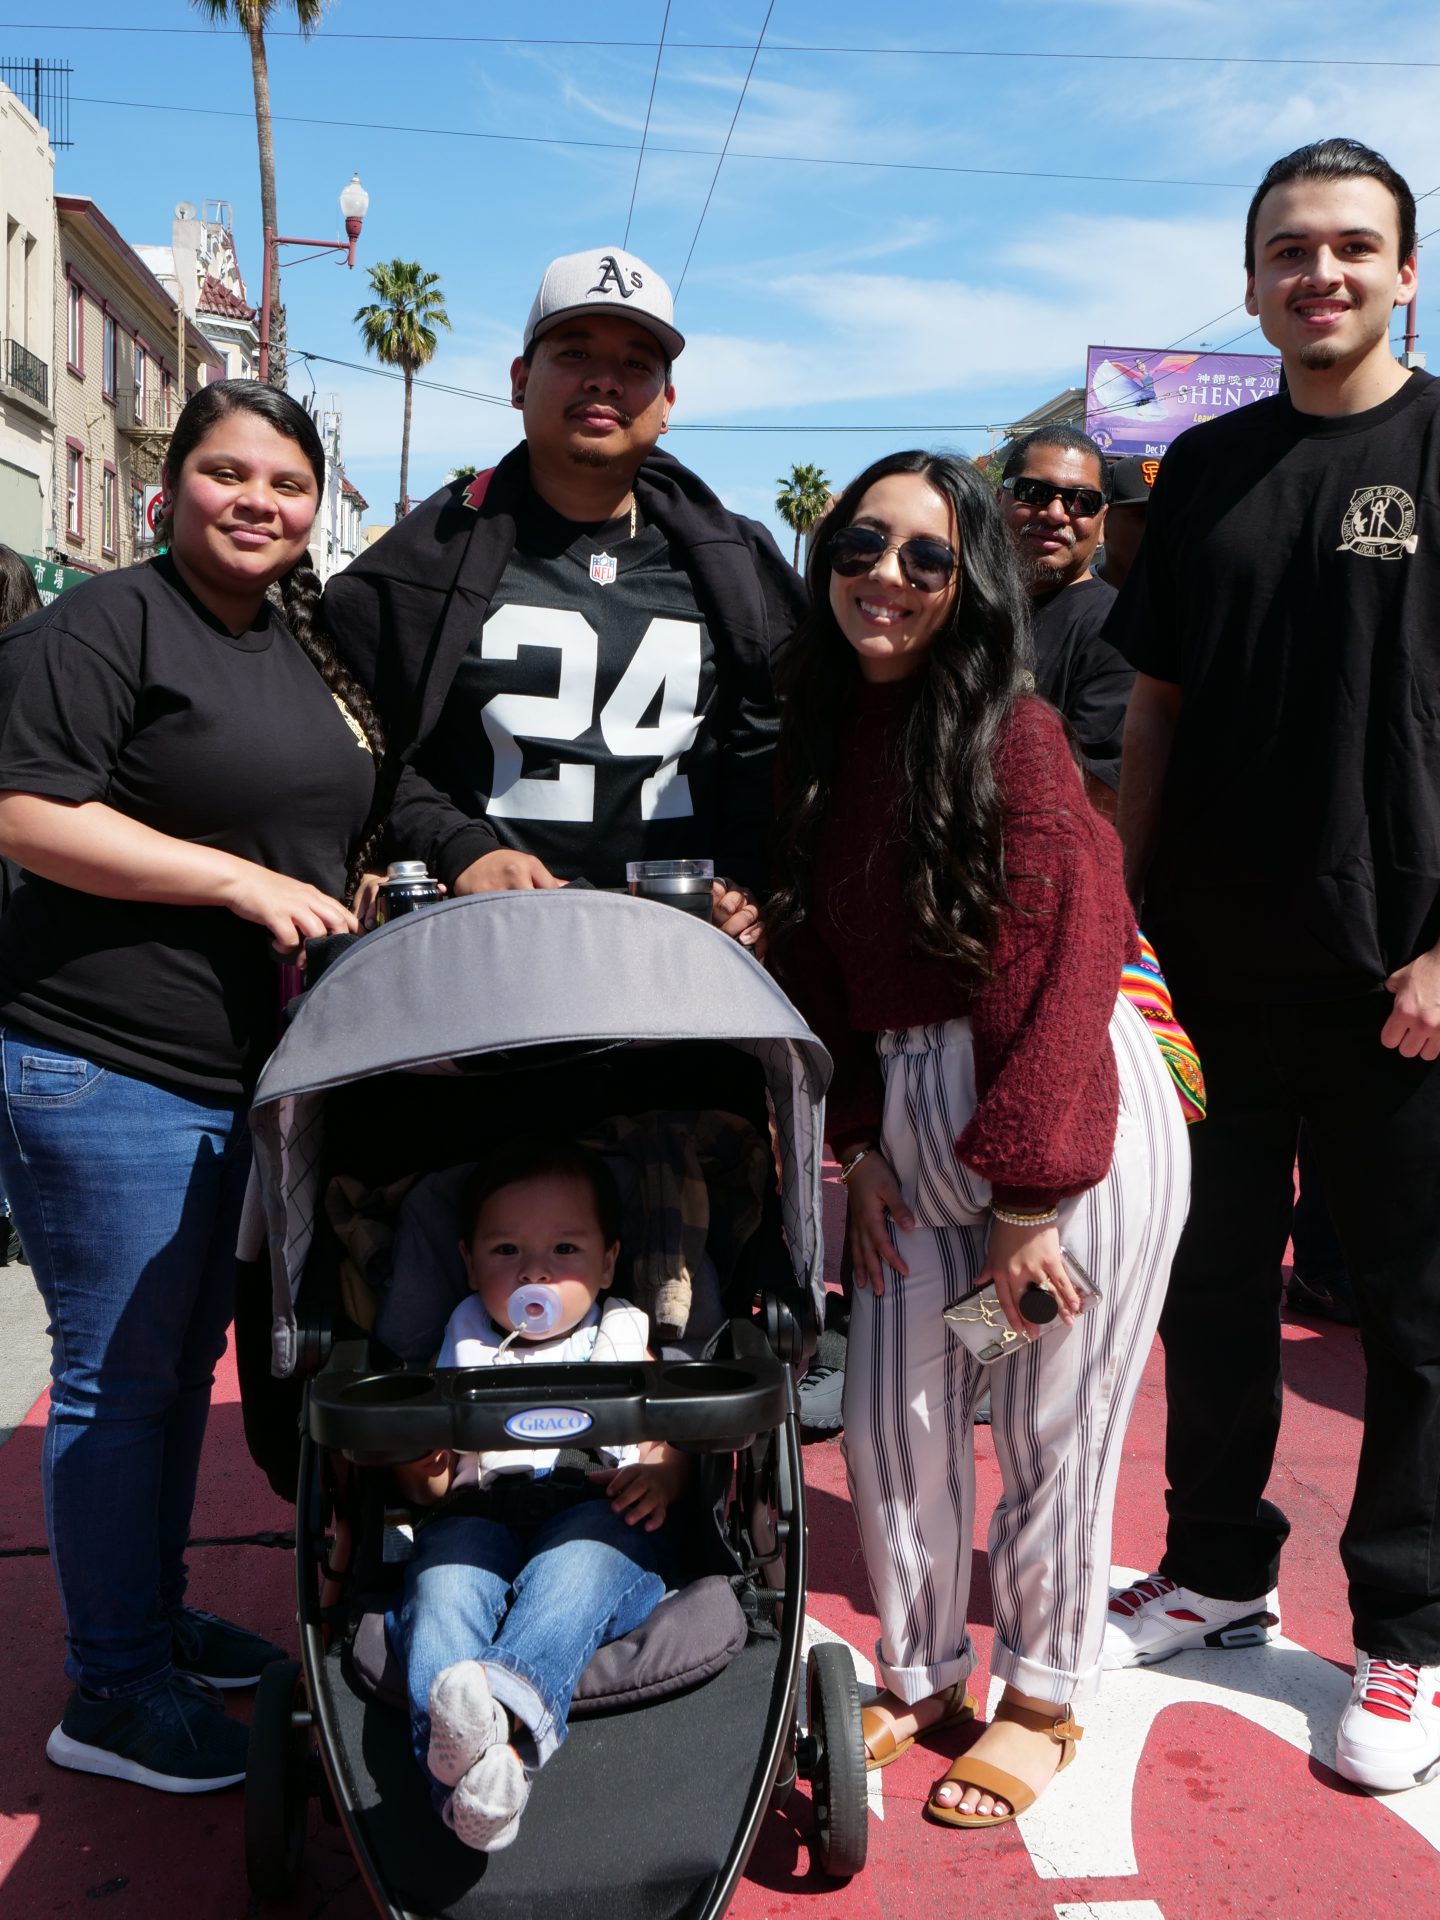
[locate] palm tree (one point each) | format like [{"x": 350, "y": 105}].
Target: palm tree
[
  {"x": 802, "y": 501},
  {"x": 252, "y": 17},
  {"x": 399, "y": 329}
]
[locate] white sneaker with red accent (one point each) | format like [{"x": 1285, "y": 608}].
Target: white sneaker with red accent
[
  {"x": 1156, "y": 1618},
  {"x": 1389, "y": 1735}
]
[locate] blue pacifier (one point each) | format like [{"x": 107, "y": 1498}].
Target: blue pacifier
[{"x": 535, "y": 1309}]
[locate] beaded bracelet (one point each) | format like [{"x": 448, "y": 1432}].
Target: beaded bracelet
[{"x": 1046, "y": 1219}]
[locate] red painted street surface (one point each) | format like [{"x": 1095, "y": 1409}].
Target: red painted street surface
[{"x": 1202, "y": 1790}]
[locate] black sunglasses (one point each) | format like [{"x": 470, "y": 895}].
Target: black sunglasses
[
  {"x": 1077, "y": 501},
  {"x": 928, "y": 565}
]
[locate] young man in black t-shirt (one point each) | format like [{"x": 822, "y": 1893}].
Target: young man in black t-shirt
[
  {"x": 1052, "y": 497},
  {"x": 1280, "y": 808},
  {"x": 573, "y": 651}
]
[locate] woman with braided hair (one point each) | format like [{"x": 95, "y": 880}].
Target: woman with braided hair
[{"x": 186, "y": 777}]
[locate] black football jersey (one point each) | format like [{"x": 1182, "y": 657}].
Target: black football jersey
[{"x": 576, "y": 726}]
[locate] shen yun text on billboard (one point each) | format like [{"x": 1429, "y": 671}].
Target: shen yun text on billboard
[{"x": 1139, "y": 399}]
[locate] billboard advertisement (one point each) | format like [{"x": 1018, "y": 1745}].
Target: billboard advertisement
[{"x": 1139, "y": 399}]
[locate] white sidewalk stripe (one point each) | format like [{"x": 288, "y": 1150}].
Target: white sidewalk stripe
[
  {"x": 1081, "y": 1827},
  {"x": 1108, "y": 1910}
]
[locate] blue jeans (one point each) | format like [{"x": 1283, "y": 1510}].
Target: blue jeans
[
  {"x": 128, "y": 1199},
  {"x": 533, "y": 1608}
]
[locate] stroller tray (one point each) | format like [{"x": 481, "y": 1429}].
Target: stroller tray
[{"x": 374, "y": 1417}]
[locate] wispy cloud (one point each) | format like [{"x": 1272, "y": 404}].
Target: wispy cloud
[{"x": 847, "y": 336}]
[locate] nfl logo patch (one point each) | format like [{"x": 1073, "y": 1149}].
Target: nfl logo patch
[{"x": 603, "y": 568}]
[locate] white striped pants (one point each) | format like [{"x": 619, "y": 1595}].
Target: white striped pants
[{"x": 1059, "y": 1408}]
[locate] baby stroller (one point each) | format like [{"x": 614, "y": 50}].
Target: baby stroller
[{"x": 450, "y": 1028}]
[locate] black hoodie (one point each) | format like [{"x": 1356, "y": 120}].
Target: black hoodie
[{"x": 404, "y": 616}]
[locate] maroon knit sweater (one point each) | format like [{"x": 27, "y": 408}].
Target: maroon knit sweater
[{"x": 1044, "y": 1125}]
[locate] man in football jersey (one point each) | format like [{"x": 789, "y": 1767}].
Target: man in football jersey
[{"x": 572, "y": 652}]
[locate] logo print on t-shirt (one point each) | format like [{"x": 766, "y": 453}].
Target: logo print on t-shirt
[
  {"x": 603, "y": 568},
  {"x": 1379, "y": 524}
]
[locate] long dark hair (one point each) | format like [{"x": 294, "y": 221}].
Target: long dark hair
[
  {"x": 299, "y": 590},
  {"x": 953, "y": 876},
  {"x": 19, "y": 594}
]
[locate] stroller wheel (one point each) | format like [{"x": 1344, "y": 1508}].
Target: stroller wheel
[
  {"x": 836, "y": 1756},
  {"x": 277, "y": 1783}
]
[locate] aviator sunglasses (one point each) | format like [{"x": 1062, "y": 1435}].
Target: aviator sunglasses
[
  {"x": 1079, "y": 502},
  {"x": 928, "y": 565}
]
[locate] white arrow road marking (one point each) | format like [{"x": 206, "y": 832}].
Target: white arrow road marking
[
  {"x": 812, "y": 1635},
  {"x": 1081, "y": 1827}
]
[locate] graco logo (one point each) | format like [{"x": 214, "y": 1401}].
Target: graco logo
[{"x": 548, "y": 1424}]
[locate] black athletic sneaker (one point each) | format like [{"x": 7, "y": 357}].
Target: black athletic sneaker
[
  {"x": 207, "y": 1648},
  {"x": 175, "y": 1738},
  {"x": 1322, "y": 1299},
  {"x": 822, "y": 1389}
]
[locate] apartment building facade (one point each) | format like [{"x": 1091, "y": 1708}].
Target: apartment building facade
[
  {"x": 338, "y": 534},
  {"x": 126, "y": 359},
  {"x": 27, "y": 329},
  {"x": 200, "y": 267}
]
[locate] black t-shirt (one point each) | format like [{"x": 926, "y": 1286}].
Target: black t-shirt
[
  {"x": 1081, "y": 674},
  {"x": 127, "y": 691},
  {"x": 576, "y": 724},
  {"x": 1289, "y": 584}
]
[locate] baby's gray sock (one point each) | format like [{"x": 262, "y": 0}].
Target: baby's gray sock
[
  {"x": 485, "y": 1807},
  {"x": 465, "y": 1721}
]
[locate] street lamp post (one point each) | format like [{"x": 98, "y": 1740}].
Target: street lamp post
[{"x": 354, "y": 203}]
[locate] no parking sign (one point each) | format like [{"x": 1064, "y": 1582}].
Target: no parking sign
[{"x": 151, "y": 514}]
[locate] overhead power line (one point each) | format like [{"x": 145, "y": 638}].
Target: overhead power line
[
  {"x": 676, "y": 426},
  {"x": 729, "y": 133},
  {"x": 775, "y": 48},
  {"x": 630, "y": 146},
  {"x": 645, "y": 131}
]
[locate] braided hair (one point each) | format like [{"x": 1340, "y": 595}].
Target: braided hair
[{"x": 297, "y": 593}]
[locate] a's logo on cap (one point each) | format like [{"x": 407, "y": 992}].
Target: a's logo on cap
[
  {"x": 1149, "y": 469},
  {"x": 612, "y": 280},
  {"x": 548, "y": 1424}
]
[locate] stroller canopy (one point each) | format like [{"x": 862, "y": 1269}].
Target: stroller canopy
[{"x": 495, "y": 972}]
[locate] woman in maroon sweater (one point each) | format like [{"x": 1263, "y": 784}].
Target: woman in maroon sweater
[{"x": 951, "y": 919}]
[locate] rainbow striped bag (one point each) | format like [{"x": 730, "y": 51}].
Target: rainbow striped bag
[{"x": 1144, "y": 986}]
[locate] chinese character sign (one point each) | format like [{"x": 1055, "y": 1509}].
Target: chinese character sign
[{"x": 1139, "y": 399}]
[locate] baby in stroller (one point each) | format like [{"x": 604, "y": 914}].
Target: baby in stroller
[{"x": 523, "y": 1566}]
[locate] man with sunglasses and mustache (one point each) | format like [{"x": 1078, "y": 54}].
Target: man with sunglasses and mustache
[
  {"x": 1052, "y": 495},
  {"x": 571, "y": 653}
]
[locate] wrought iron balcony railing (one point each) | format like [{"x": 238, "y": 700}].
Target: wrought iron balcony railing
[{"x": 28, "y": 372}]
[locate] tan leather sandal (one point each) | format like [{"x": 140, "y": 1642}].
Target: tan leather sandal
[
  {"x": 881, "y": 1745},
  {"x": 994, "y": 1780}
]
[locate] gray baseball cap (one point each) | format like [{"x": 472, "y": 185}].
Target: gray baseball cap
[{"x": 606, "y": 279}]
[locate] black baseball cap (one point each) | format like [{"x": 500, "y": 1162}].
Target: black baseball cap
[{"x": 1131, "y": 478}]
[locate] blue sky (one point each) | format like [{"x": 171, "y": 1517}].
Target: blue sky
[{"x": 926, "y": 298}]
